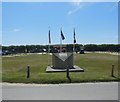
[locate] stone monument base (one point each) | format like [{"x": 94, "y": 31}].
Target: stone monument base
[{"x": 74, "y": 69}]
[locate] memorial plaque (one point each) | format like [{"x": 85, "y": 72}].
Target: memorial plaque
[{"x": 62, "y": 60}]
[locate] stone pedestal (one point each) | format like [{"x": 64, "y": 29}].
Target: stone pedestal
[{"x": 61, "y": 61}]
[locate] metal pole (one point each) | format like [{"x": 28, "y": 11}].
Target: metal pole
[
  {"x": 73, "y": 54},
  {"x": 49, "y": 51},
  {"x": 60, "y": 42},
  {"x": 49, "y": 55},
  {"x": 74, "y": 42}
]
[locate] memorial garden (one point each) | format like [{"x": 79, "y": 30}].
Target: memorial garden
[{"x": 97, "y": 68}]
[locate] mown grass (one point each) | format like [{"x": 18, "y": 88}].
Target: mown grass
[{"x": 97, "y": 68}]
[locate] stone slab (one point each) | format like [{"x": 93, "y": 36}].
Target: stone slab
[
  {"x": 62, "y": 60},
  {"x": 74, "y": 69}
]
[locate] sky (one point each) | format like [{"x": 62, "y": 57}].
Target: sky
[{"x": 28, "y": 23}]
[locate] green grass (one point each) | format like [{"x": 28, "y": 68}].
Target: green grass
[{"x": 97, "y": 69}]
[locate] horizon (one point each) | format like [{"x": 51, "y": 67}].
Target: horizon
[
  {"x": 57, "y": 44},
  {"x": 28, "y": 23}
]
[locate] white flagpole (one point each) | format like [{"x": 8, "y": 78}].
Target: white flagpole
[
  {"x": 74, "y": 53},
  {"x": 74, "y": 47},
  {"x": 49, "y": 48},
  {"x": 48, "y": 54},
  {"x": 60, "y": 45},
  {"x": 60, "y": 42}
]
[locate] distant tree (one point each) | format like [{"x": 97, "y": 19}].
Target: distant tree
[
  {"x": 69, "y": 48},
  {"x": 91, "y": 47}
]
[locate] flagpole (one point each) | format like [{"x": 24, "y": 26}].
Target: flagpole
[
  {"x": 73, "y": 50},
  {"x": 74, "y": 53},
  {"x": 48, "y": 54},
  {"x": 74, "y": 46},
  {"x": 74, "y": 41},
  {"x": 61, "y": 38},
  {"x": 60, "y": 45},
  {"x": 49, "y": 48},
  {"x": 61, "y": 42}
]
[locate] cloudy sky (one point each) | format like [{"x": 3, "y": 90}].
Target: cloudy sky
[{"x": 28, "y": 22}]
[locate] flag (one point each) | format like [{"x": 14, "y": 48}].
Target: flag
[
  {"x": 62, "y": 36},
  {"x": 49, "y": 37},
  {"x": 74, "y": 37}
]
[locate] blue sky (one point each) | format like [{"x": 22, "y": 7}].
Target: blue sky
[{"x": 28, "y": 23}]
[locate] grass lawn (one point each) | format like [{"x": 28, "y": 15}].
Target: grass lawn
[{"x": 97, "y": 67}]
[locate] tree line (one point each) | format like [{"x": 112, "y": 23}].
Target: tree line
[{"x": 68, "y": 48}]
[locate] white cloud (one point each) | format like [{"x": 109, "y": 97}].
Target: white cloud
[
  {"x": 74, "y": 10},
  {"x": 77, "y": 4},
  {"x": 16, "y": 30}
]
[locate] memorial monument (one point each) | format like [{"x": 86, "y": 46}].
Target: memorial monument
[{"x": 63, "y": 60}]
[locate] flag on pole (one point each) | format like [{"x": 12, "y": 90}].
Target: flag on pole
[
  {"x": 62, "y": 36},
  {"x": 74, "y": 37},
  {"x": 49, "y": 47},
  {"x": 49, "y": 37}
]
